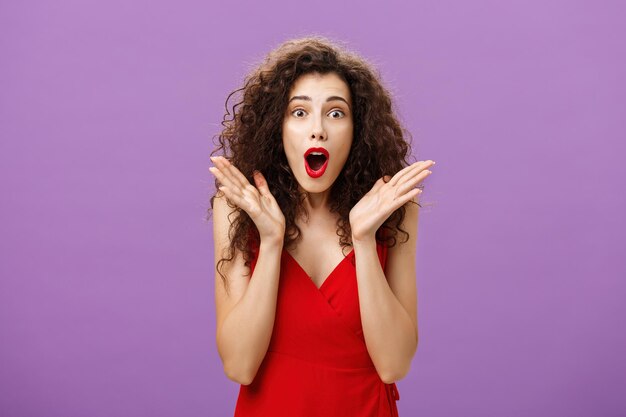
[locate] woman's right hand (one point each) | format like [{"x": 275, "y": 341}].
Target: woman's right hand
[{"x": 259, "y": 203}]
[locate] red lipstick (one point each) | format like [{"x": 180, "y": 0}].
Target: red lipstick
[{"x": 316, "y": 161}]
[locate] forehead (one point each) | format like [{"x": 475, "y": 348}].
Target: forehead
[{"x": 320, "y": 86}]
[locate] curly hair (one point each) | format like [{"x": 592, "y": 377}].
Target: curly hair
[{"x": 251, "y": 140}]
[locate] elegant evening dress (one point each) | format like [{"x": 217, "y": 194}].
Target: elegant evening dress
[{"x": 317, "y": 364}]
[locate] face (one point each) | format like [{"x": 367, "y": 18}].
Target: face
[{"x": 318, "y": 120}]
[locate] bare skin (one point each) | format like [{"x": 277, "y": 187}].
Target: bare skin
[
  {"x": 245, "y": 314},
  {"x": 318, "y": 114},
  {"x": 387, "y": 299}
]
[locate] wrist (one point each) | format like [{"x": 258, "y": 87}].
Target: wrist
[
  {"x": 363, "y": 239},
  {"x": 276, "y": 240}
]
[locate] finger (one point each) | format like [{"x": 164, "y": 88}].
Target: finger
[
  {"x": 261, "y": 184},
  {"x": 405, "y": 171},
  {"x": 220, "y": 163},
  {"x": 420, "y": 165},
  {"x": 230, "y": 196},
  {"x": 412, "y": 195},
  {"x": 402, "y": 199},
  {"x": 248, "y": 205},
  {"x": 413, "y": 169},
  {"x": 220, "y": 176},
  {"x": 224, "y": 180},
  {"x": 236, "y": 175},
  {"x": 412, "y": 181}
]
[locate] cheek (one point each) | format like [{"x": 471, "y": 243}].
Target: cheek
[
  {"x": 289, "y": 147},
  {"x": 346, "y": 144},
  {"x": 345, "y": 154},
  {"x": 290, "y": 139}
]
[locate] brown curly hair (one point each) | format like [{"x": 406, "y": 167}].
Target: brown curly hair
[{"x": 251, "y": 140}]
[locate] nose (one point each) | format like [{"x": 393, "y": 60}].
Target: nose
[{"x": 318, "y": 131}]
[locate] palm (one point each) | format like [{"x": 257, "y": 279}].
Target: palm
[
  {"x": 386, "y": 197},
  {"x": 259, "y": 202}
]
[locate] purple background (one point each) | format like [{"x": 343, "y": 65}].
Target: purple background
[{"x": 106, "y": 118}]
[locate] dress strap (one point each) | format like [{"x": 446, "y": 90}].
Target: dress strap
[
  {"x": 382, "y": 249},
  {"x": 393, "y": 395},
  {"x": 254, "y": 246}
]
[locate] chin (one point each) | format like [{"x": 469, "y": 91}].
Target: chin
[{"x": 315, "y": 185}]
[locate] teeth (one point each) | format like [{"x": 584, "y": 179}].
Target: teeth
[{"x": 316, "y": 153}]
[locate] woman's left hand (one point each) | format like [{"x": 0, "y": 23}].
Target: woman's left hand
[{"x": 386, "y": 197}]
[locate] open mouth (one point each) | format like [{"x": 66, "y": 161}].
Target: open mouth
[{"x": 316, "y": 161}]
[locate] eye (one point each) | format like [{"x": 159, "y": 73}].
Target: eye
[
  {"x": 298, "y": 110},
  {"x": 337, "y": 111}
]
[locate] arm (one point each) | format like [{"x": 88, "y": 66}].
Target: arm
[
  {"x": 245, "y": 316},
  {"x": 388, "y": 304}
]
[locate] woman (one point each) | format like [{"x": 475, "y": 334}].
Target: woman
[{"x": 305, "y": 329}]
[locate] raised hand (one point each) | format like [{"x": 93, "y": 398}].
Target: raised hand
[
  {"x": 257, "y": 201},
  {"x": 386, "y": 197}
]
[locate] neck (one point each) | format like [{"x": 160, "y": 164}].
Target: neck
[{"x": 317, "y": 204}]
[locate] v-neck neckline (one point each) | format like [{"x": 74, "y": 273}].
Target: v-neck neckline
[{"x": 328, "y": 278}]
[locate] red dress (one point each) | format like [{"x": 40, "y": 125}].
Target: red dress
[{"x": 317, "y": 364}]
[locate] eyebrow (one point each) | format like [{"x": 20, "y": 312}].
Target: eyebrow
[{"x": 331, "y": 98}]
